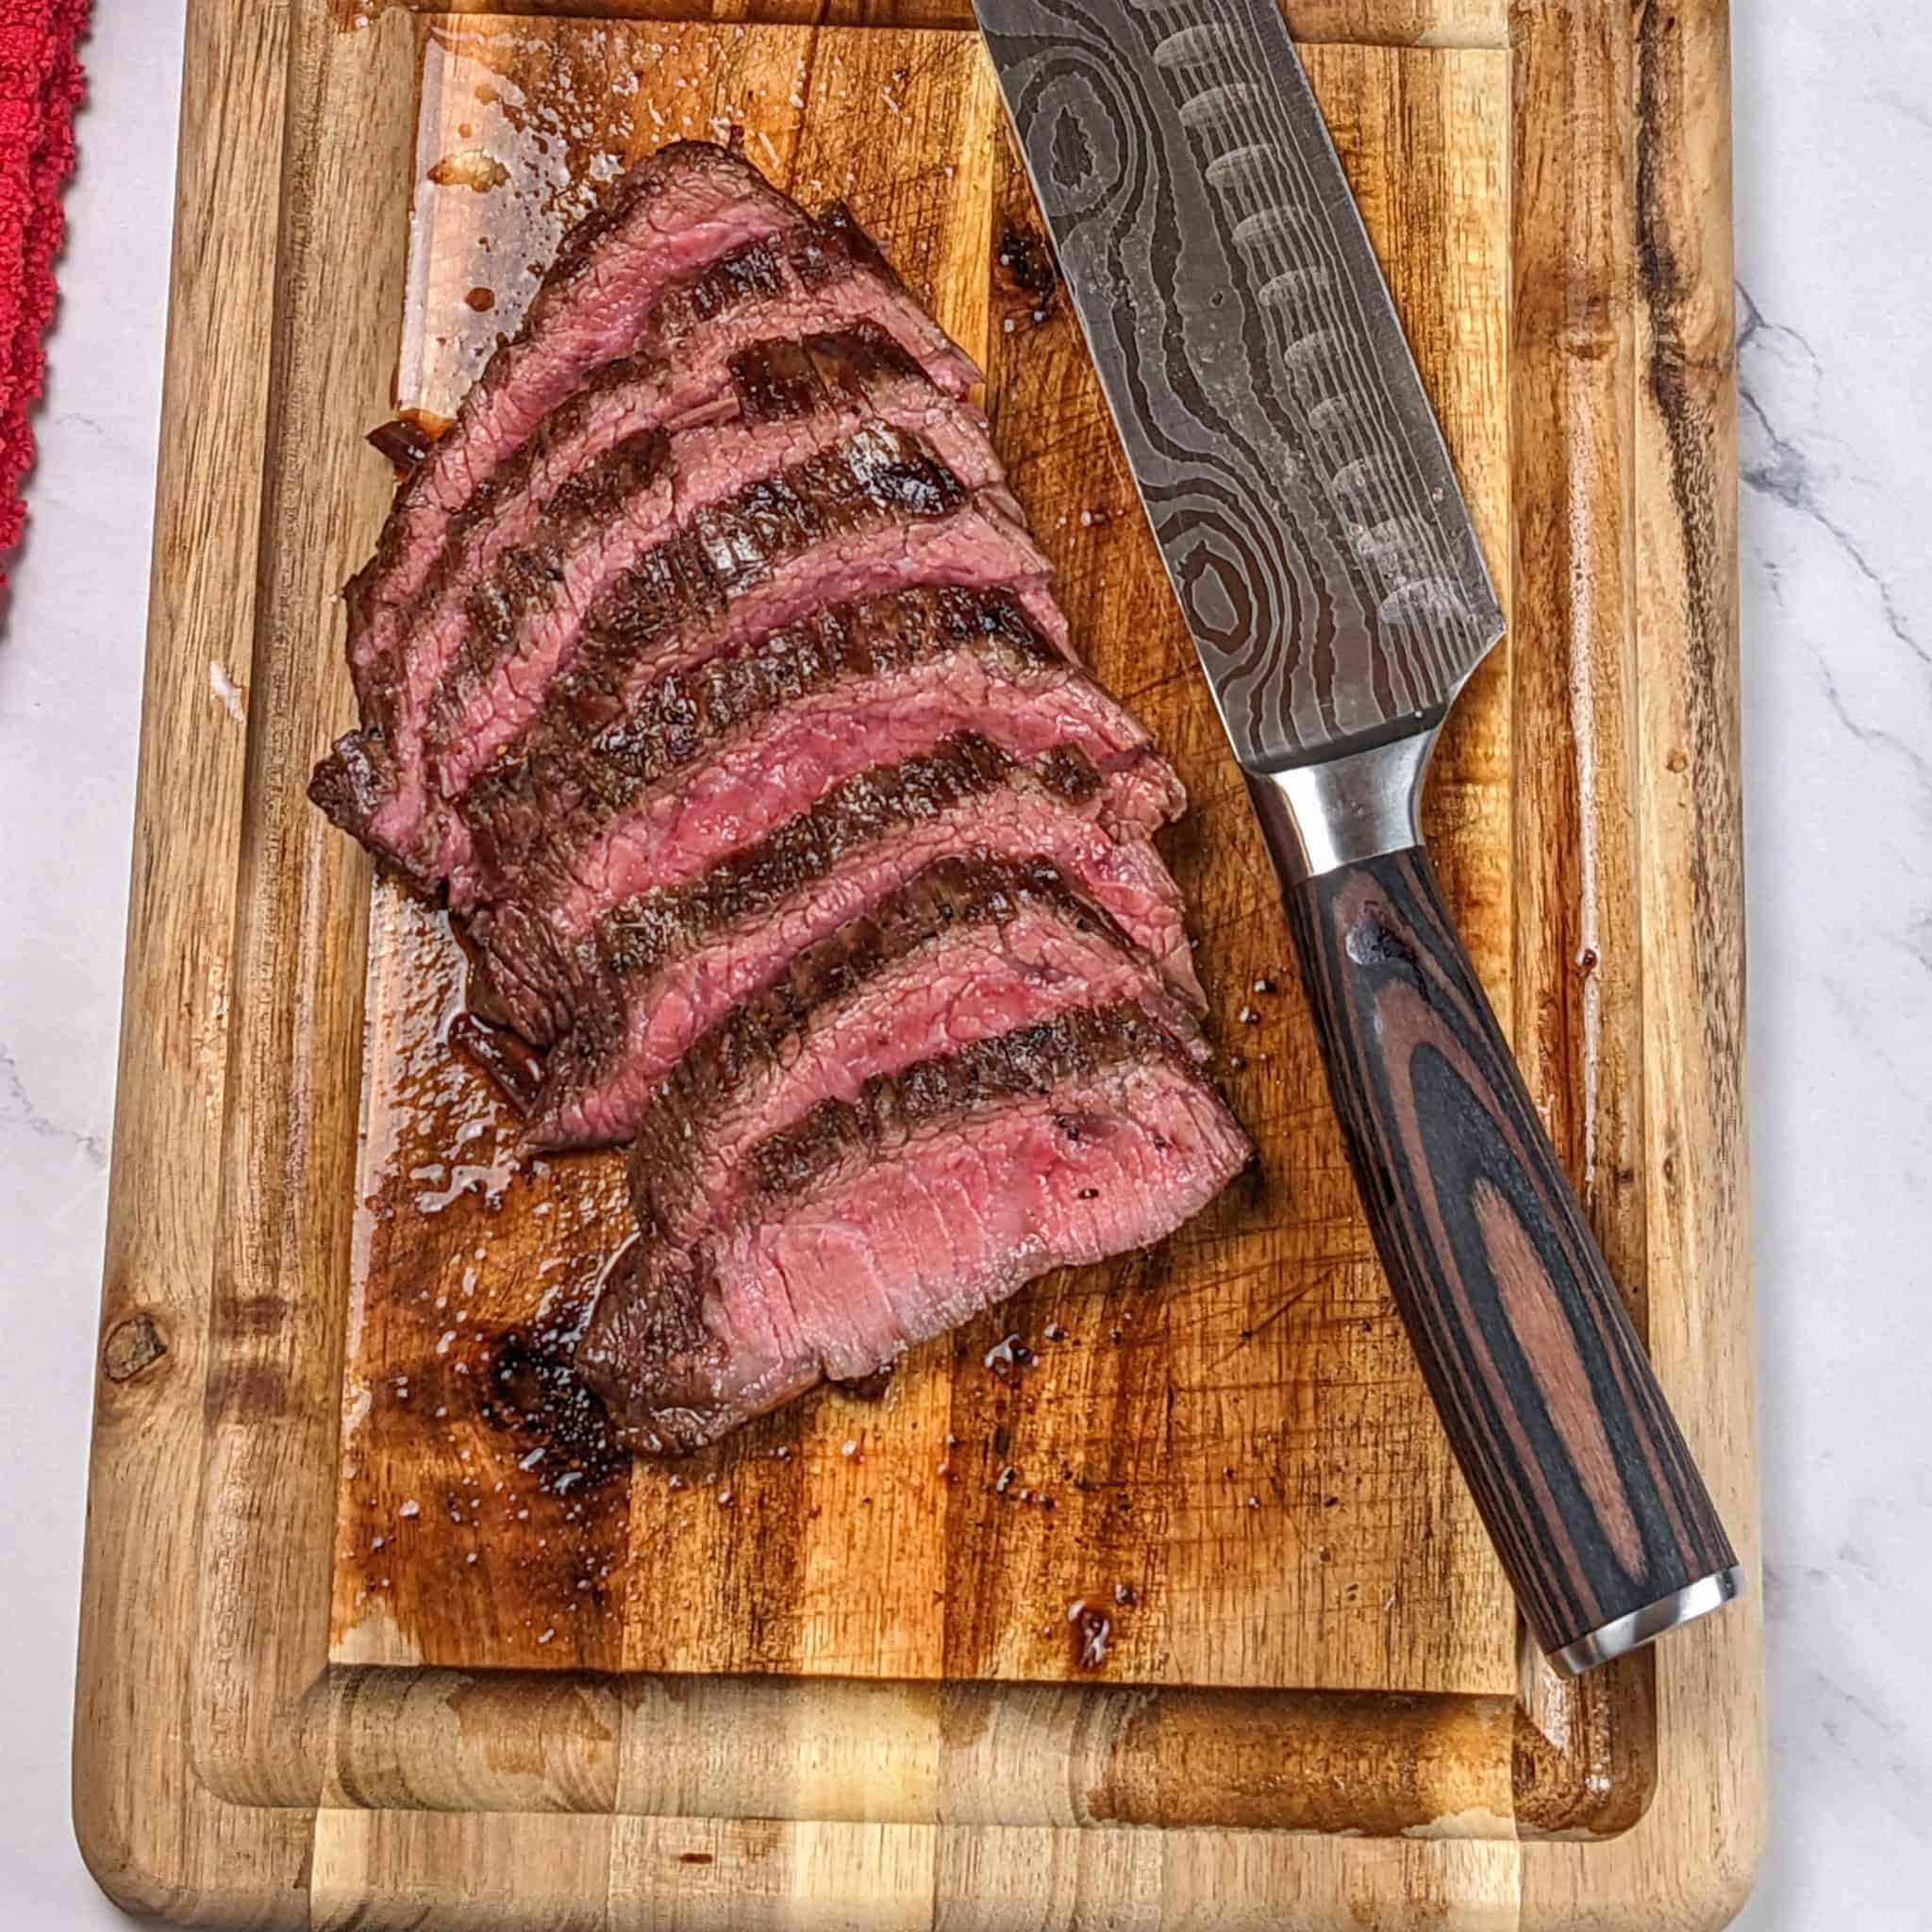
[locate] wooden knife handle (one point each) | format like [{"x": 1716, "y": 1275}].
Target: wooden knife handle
[{"x": 1579, "y": 1467}]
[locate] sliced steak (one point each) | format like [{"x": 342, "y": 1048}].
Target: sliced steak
[
  {"x": 527, "y": 624},
  {"x": 794, "y": 404},
  {"x": 669, "y": 218},
  {"x": 691, "y": 254},
  {"x": 874, "y": 513},
  {"x": 663, "y": 968},
  {"x": 876, "y": 1222},
  {"x": 881, "y": 515},
  {"x": 712, "y": 759},
  {"x": 971, "y": 948},
  {"x": 708, "y": 667}
]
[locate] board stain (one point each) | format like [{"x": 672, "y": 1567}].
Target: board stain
[{"x": 532, "y": 1389}]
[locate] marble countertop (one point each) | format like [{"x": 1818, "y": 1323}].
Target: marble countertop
[{"x": 1834, "y": 149}]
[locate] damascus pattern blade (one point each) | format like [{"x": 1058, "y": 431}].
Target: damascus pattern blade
[{"x": 1291, "y": 465}]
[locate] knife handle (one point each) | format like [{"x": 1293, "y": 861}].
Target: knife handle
[{"x": 1580, "y": 1472}]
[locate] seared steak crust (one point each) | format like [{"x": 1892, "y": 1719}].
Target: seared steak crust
[
  {"x": 893, "y": 1108},
  {"x": 947, "y": 906},
  {"x": 571, "y": 774},
  {"x": 627, "y": 1000}
]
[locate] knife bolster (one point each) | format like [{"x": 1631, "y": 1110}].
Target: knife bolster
[{"x": 1319, "y": 817}]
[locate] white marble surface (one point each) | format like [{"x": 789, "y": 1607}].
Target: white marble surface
[{"x": 1834, "y": 154}]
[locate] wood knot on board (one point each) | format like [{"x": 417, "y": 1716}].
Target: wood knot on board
[{"x": 131, "y": 1347}]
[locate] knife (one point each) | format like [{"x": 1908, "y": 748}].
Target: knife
[{"x": 1315, "y": 535}]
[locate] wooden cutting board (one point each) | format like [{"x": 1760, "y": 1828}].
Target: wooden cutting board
[{"x": 1153, "y": 1598}]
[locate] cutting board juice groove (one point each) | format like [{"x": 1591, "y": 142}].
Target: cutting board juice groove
[{"x": 644, "y": 1705}]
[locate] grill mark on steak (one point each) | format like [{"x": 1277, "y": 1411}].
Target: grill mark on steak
[
  {"x": 686, "y": 243},
  {"x": 524, "y": 630},
  {"x": 893, "y": 1108},
  {"x": 669, "y": 217},
  {"x": 876, "y": 1222},
  {"x": 629, "y": 998},
  {"x": 640, "y": 935},
  {"x": 849, "y": 368},
  {"x": 576, "y": 816},
  {"x": 975, "y": 944},
  {"x": 792, "y": 400}
]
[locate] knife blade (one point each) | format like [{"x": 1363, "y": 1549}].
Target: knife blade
[{"x": 1308, "y": 515}]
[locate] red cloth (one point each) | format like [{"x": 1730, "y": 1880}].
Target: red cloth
[{"x": 41, "y": 84}]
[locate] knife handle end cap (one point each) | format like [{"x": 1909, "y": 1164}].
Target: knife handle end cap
[{"x": 1623, "y": 1635}]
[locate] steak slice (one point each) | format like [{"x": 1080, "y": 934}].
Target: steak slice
[
  {"x": 691, "y": 255},
  {"x": 711, "y": 759},
  {"x": 795, "y": 405},
  {"x": 973, "y": 947},
  {"x": 659, "y": 971},
  {"x": 876, "y": 1223}
]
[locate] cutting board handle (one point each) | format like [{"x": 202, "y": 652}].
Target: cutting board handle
[{"x": 1579, "y": 1468}]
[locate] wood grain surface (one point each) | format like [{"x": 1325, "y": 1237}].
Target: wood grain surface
[
  {"x": 849, "y": 1693},
  {"x": 1219, "y": 1443}
]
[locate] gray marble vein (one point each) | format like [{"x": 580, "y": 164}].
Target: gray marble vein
[{"x": 17, "y": 1110}]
